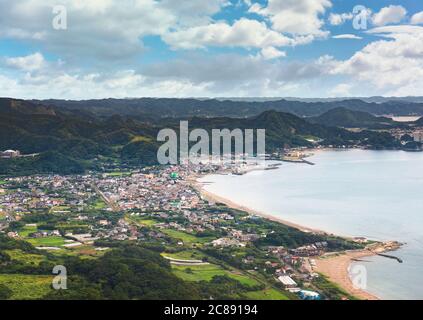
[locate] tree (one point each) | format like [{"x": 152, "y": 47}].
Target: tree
[{"x": 5, "y": 292}]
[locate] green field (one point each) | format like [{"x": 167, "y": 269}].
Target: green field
[
  {"x": 72, "y": 226},
  {"x": 2, "y": 182},
  {"x": 207, "y": 272},
  {"x": 24, "y": 257},
  {"x": 185, "y": 255},
  {"x": 266, "y": 294},
  {"x": 47, "y": 241},
  {"x": 185, "y": 237},
  {"x": 27, "y": 230},
  {"x": 60, "y": 208},
  {"x": 99, "y": 205},
  {"x": 26, "y": 287},
  {"x": 141, "y": 221},
  {"x": 118, "y": 173}
]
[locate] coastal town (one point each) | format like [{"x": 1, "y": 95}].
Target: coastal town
[{"x": 86, "y": 214}]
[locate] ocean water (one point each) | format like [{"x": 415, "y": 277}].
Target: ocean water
[{"x": 375, "y": 194}]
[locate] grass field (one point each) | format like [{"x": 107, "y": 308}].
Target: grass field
[
  {"x": 141, "y": 221},
  {"x": 47, "y": 242},
  {"x": 99, "y": 205},
  {"x": 26, "y": 287},
  {"x": 185, "y": 237},
  {"x": 147, "y": 222},
  {"x": 2, "y": 182},
  {"x": 118, "y": 173},
  {"x": 27, "y": 230},
  {"x": 59, "y": 208},
  {"x": 207, "y": 272},
  {"x": 266, "y": 294},
  {"x": 24, "y": 257},
  {"x": 72, "y": 226},
  {"x": 185, "y": 255}
]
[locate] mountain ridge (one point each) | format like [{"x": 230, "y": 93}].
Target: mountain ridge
[
  {"x": 168, "y": 107},
  {"x": 82, "y": 142},
  {"x": 346, "y": 118}
]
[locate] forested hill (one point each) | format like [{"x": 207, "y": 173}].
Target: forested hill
[
  {"x": 342, "y": 117},
  {"x": 71, "y": 142},
  {"x": 159, "y": 108}
]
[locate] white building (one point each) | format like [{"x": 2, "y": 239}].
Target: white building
[
  {"x": 287, "y": 281},
  {"x": 10, "y": 154}
]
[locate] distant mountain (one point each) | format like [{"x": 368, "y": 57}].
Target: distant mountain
[
  {"x": 70, "y": 142},
  {"x": 150, "y": 108},
  {"x": 375, "y": 99},
  {"x": 342, "y": 117},
  {"x": 288, "y": 130},
  {"x": 64, "y": 140},
  {"x": 14, "y": 106}
]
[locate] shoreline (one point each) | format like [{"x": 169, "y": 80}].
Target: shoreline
[
  {"x": 209, "y": 196},
  {"x": 335, "y": 266}
]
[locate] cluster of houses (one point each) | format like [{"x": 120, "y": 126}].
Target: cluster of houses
[
  {"x": 415, "y": 133},
  {"x": 312, "y": 250},
  {"x": 46, "y": 192},
  {"x": 293, "y": 266},
  {"x": 162, "y": 194},
  {"x": 148, "y": 192}
]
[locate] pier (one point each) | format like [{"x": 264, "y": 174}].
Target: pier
[
  {"x": 304, "y": 161},
  {"x": 390, "y": 257}
]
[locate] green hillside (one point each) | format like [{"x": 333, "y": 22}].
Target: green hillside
[
  {"x": 342, "y": 117},
  {"x": 73, "y": 141}
]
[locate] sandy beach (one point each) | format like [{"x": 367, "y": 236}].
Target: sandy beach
[
  {"x": 217, "y": 199},
  {"x": 335, "y": 266}
]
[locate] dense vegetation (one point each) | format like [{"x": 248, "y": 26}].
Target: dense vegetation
[
  {"x": 179, "y": 108},
  {"x": 341, "y": 117},
  {"x": 71, "y": 141},
  {"x": 127, "y": 272}
]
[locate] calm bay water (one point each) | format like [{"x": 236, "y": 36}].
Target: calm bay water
[{"x": 376, "y": 194}]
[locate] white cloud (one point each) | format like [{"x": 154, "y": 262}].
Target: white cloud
[
  {"x": 347, "y": 36},
  {"x": 110, "y": 33},
  {"x": 270, "y": 53},
  {"x": 417, "y": 18},
  {"x": 31, "y": 62},
  {"x": 298, "y": 17},
  {"x": 195, "y": 75},
  {"x": 101, "y": 29},
  {"x": 389, "y": 15},
  {"x": 393, "y": 65},
  {"x": 255, "y": 8},
  {"x": 243, "y": 33},
  {"x": 339, "y": 19}
]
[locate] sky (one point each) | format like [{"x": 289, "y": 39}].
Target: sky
[{"x": 78, "y": 49}]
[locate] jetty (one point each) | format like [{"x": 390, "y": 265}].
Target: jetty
[
  {"x": 300, "y": 160},
  {"x": 390, "y": 257},
  {"x": 387, "y": 247}
]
